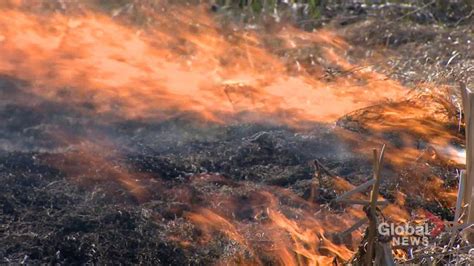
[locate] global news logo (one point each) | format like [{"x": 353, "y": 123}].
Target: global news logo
[{"x": 406, "y": 235}]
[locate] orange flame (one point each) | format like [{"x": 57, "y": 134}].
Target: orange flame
[
  {"x": 270, "y": 233},
  {"x": 184, "y": 63}
]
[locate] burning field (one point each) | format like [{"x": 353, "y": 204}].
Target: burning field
[{"x": 161, "y": 132}]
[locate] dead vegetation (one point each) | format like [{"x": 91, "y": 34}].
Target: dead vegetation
[{"x": 184, "y": 192}]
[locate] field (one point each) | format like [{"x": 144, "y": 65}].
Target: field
[{"x": 212, "y": 133}]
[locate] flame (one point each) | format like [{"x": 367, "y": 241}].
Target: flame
[
  {"x": 207, "y": 218},
  {"x": 419, "y": 132},
  {"x": 88, "y": 165},
  {"x": 270, "y": 233},
  {"x": 184, "y": 63},
  {"x": 308, "y": 241}
]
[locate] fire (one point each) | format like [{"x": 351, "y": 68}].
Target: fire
[
  {"x": 307, "y": 242},
  {"x": 300, "y": 241},
  {"x": 272, "y": 229},
  {"x": 428, "y": 135},
  {"x": 184, "y": 63},
  {"x": 87, "y": 164}
]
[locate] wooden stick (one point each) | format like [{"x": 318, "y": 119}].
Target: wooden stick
[
  {"x": 354, "y": 227},
  {"x": 357, "y": 189},
  {"x": 363, "y": 202},
  {"x": 459, "y": 201},
  {"x": 321, "y": 166},
  {"x": 372, "y": 217},
  {"x": 372, "y": 211},
  {"x": 375, "y": 190},
  {"x": 378, "y": 255},
  {"x": 387, "y": 251},
  {"x": 468, "y": 104},
  {"x": 358, "y": 224}
]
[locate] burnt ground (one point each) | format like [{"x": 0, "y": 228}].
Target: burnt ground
[
  {"x": 49, "y": 218},
  {"x": 61, "y": 204},
  {"x": 58, "y": 203}
]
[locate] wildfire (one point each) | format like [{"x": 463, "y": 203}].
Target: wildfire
[
  {"x": 298, "y": 241},
  {"x": 425, "y": 139},
  {"x": 184, "y": 62}
]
